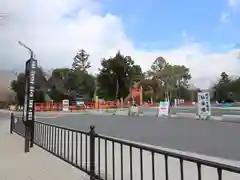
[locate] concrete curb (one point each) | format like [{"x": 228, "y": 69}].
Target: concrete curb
[
  {"x": 223, "y": 118},
  {"x": 231, "y": 118},
  {"x": 192, "y": 115}
]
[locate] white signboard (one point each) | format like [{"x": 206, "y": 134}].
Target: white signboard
[
  {"x": 65, "y": 105},
  {"x": 204, "y": 105},
  {"x": 133, "y": 111},
  {"x": 163, "y": 109},
  {"x": 80, "y": 103}
]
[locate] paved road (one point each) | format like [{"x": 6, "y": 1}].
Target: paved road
[{"x": 204, "y": 137}]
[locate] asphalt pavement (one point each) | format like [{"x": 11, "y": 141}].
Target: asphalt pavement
[{"x": 211, "y": 138}]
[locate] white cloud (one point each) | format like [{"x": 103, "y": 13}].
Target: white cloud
[
  {"x": 225, "y": 17},
  {"x": 233, "y": 7},
  {"x": 234, "y": 4},
  {"x": 55, "y": 40}
]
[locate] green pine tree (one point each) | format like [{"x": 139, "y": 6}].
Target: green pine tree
[{"x": 80, "y": 61}]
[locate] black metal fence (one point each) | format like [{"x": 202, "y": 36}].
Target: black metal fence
[{"x": 105, "y": 157}]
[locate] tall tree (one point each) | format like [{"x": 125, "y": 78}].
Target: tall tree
[
  {"x": 224, "y": 78},
  {"x": 136, "y": 74},
  {"x": 80, "y": 61},
  {"x": 81, "y": 83},
  {"x": 18, "y": 86},
  {"x": 166, "y": 78},
  {"x": 116, "y": 76},
  {"x": 222, "y": 88},
  {"x": 72, "y": 82},
  {"x": 61, "y": 73},
  {"x": 235, "y": 89},
  {"x": 63, "y": 83},
  {"x": 57, "y": 81}
]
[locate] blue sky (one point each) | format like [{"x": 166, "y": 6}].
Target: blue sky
[
  {"x": 185, "y": 32},
  {"x": 161, "y": 24}
]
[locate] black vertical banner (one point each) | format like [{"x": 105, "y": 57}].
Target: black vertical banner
[
  {"x": 25, "y": 93},
  {"x": 32, "y": 65},
  {"x": 28, "y": 110},
  {"x": 30, "y": 75}
]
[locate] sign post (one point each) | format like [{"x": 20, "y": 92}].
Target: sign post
[
  {"x": 28, "y": 110},
  {"x": 163, "y": 109},
  {"x": 204, "y": 105},
  {"x": 65, "y": 105}
]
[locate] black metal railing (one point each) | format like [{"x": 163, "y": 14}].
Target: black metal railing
[{"x": 104, "y": 157}]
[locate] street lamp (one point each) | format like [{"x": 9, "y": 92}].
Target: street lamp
[{"x": 30, "y": 50}]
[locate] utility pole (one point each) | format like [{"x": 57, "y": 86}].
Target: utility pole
[{"x": 28, "y": 108}]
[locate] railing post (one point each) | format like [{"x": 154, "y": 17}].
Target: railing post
[
  {"x": 92, "y": 152},
  {"x": 27, "y": 137},
  {"x": 32, "y": 133},
  {"x": 11, "y": 123}
]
